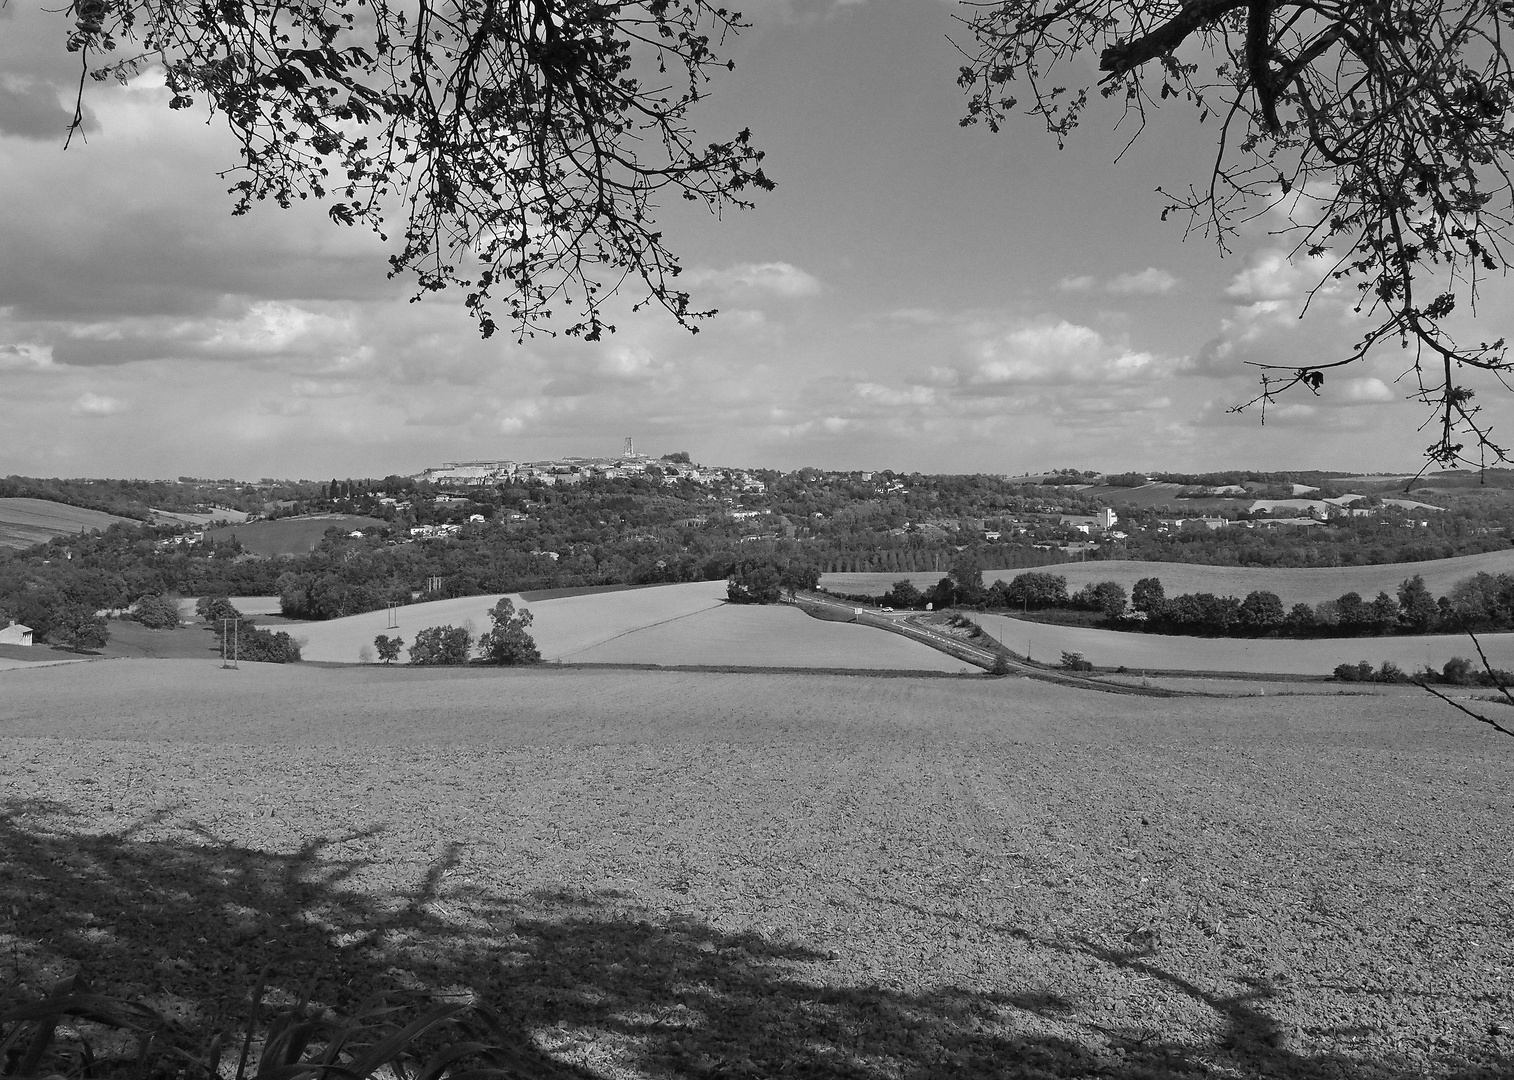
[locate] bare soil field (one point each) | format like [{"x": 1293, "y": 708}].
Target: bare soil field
[
  {"x": 289, "y": 536},
  {"x": 24, "y": 522},
  {"x": 1294, "y": 585},
  {"x": 1172, "y": 652},
  {"x": 746, "y": 636},
  {"x": 680, "y": 875}
]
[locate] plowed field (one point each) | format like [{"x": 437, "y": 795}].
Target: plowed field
[
  {"x": 676, "y": 874},
  {"x": 24, "y": 522}
]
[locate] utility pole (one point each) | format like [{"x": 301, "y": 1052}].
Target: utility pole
[{"x": 230, "y": 631}]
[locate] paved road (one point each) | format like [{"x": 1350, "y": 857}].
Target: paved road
[{"x": 914, "y": 624}]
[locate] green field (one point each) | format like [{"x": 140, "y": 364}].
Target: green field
[
  {"x": 1160, "y": 494},
  {"x": 647, "y": 874},
  {"x": 24, "y": 522},
  {"x": 1293, "y": 585},
  {"x": 290, "y": 536}
]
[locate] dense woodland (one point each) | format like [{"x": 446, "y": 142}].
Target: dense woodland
[{"x": 655, "y": 528}]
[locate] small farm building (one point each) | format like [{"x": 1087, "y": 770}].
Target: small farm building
[{"x": 15, "y": 634}]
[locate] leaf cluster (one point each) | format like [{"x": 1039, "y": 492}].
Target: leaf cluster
[{"x": 523, "y": 146}]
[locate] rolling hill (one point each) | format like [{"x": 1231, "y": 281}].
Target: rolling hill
[
  {"x": 24, "y": 522},
  {"x": 687, "y": 624}
]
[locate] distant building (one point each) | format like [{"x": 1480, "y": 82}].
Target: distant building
[
  {"x": 1106, "y": 518},
  {"x": 15, "y": 634}
]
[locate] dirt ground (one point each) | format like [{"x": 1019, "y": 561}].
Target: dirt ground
[{"x": 682, "y": 874}]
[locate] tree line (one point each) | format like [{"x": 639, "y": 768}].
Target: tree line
[{"x": 1482, "y": 602}]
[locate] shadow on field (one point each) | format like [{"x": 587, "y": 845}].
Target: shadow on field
[{"x": 588, "y": 985}]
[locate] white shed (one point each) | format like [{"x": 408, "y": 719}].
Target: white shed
[{"x": 15, "y": 634}]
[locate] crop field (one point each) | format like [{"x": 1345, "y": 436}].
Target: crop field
[
  {"x": 289, "y": 536},
  {"x": 345, "y": 641},
  {"x": 692, "y": 874},
  {"x": 24, "y": 522},
  {"x": 1293, "y": 585},
  {"x": 742, "y": 636},
  {"x": 1159, "y": 494},
  {"x": 568, "y": 626},
  {"x": 1171, "y": 652},
  {"x": 561, "y": 627},
  {"x": 687, "y": 624}
]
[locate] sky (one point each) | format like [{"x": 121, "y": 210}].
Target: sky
[{"x": 914, "y": 295}]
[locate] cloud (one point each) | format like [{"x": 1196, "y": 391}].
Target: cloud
[
  {"x": 774, "y": 278},
  {"x": 1365, "y": 391},
  {"x": 25, "y": 357},
  {"x": 1148, "y": 282},
  {"x": 97, "y": 405},
  {"x": 1273, "y": 276},
  {"x": 31, "y": 109},
  {"x": 1061, "y": 353},
  {"x": 318, "y": 337}
]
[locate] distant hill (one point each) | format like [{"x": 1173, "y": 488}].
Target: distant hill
[
  {"x": 289, "y": 536},
  {"x": 24, "y": 522}
]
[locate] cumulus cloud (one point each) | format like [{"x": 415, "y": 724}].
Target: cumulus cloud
[
  {"x": 90, "y": 404},
  {"x": 1058, "y": 353},
  {"x": 1273, "y": 276},
  {"x": 773, "y": 278},
  {"x": 1364, "y": 391}
]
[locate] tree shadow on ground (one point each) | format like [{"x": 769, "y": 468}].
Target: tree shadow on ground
[{"x": 587, "y": 984}]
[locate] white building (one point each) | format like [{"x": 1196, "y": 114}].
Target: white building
[
  {"x": 1107, "y": 518},
  {"x": 15, "y": 634}
]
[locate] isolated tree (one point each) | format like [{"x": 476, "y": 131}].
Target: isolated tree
[
  {"x": 157, "y": 612},
  {"x": 388, "y": 648},
  {"x": 508, "y": 642},
  {"x": 1380, "y": 129},
  {"x": 523, "y": 146}
]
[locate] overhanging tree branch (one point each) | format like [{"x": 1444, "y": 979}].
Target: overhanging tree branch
[
  {"x": 522, "y": 146},
  {"x": 1380, "y": 130}
]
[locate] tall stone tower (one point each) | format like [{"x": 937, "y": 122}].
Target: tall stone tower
[{"x": 629, "y": 451}]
